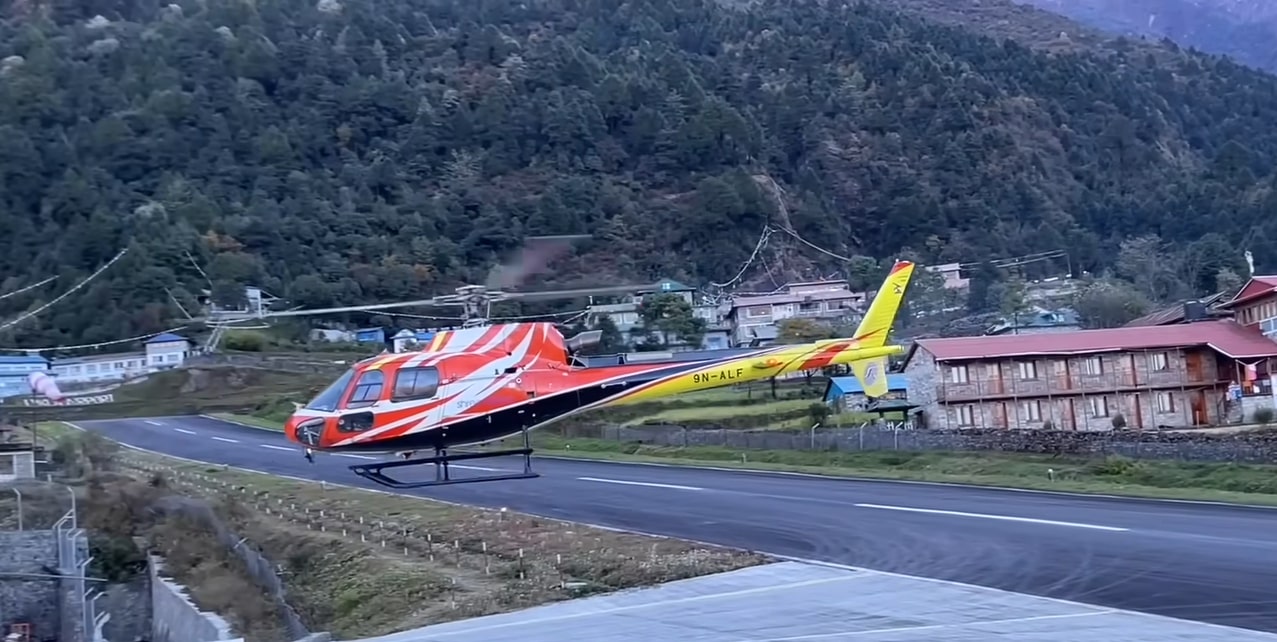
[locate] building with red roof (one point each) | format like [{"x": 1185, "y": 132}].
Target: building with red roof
[
  {"x": 1150, "y": 376},
  {"x": 1256, "y": 304}
]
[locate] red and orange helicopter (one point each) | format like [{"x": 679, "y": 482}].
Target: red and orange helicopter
[{"x": 483, "y": 384}]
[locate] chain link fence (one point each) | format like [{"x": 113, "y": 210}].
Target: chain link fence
[
  {"x": 257, "y": 566},
  {"x": 1252, "y": 447}
]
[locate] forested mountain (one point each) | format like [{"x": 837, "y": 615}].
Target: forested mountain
[
  {"x": 1243, "y": 29},
  {"x": 369, "y": 151}
]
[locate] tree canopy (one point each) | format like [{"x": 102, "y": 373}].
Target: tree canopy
[{"x": 343, "y": 152}]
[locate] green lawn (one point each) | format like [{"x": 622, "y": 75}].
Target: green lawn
[
  {"x": 718, "y": 413},
  {"x": 1223, "y": 482}
]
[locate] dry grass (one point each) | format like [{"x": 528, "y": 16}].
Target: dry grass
[{"x": 361, "y": 563}]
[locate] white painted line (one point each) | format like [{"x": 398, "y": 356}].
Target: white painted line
[
  {"x": 229, "y": 441},
  {"x": 486, "y": 470},
  {"x": 1008, "y": 518},
  {"x": 354, "y": 456},
  {"x": 780, "y": 556},
  {"x": 183, "y": 430},
  {"x": 153, "y": 423},
  {"x": 634, "y": 483},
  {"x": 1079, "y": 495},
  {"x": 275, "y": 447}
]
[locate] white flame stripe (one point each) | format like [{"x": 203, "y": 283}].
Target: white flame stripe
[{"x": 449, "y": 394}]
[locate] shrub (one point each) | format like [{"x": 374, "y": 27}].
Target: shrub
[{"x": 1263, "y": 416}]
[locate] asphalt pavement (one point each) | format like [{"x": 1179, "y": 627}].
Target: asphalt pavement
[{"x": 1210, "y": 563}]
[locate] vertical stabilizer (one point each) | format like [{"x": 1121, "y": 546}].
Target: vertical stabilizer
[{"x": 876, "y": 325}]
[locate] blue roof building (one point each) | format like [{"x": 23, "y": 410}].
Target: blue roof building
[
  {"x": 841, "y": 390},
  {"x": 14, "y": 371}
]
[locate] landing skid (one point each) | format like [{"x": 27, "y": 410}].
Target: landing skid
[{"x": 443, "y": 476}]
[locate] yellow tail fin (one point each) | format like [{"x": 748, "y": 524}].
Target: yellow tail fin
[
  {"x": 876, "y": 325},
  {"x": 872, "y": 374}
]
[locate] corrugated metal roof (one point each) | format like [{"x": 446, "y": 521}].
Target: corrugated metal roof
[
  {"x": 784, "y": 298},
  {"x": 1175, "y": 313},
  {"x": 852, "y": 385},
  {"x": 1258, "y": 286},
  {"x": 22, "y": 359},
  {"x": 167, "y": 337},
  {"x": 1226, "y": 337}
]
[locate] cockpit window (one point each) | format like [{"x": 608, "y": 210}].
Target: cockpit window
[
  {"x": 367, "y": 389},
  {"x": 416, "y": 383},
  {"x": 331, "y": 396}
]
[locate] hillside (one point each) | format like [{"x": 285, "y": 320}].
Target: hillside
[
  {"x": 1242, "y": 29},
  {"x": 354, "y": 152}
]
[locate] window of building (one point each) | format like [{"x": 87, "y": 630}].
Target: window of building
[
  {"x": 1165, "y": 402},
  {"x": 759, "y": 311},
  {"x": 1028, "y": 370},
  {"x": 1031, "y": 410},
  {"x": 966, "y": 415},
  {"x": 416, "y": 383},
  {"x": 367, "y": 389},
  {"x": 1099, "y": 406},
  {"x": 1159, "y": 361},
  {"x": 1092, "y": 366},
  {"x": 959, "y": 374}
]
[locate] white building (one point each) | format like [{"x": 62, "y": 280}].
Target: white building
[
  {"x": 755, "y": 317},
  {"x": 161, "y": 352}
]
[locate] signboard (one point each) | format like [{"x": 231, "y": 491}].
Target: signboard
[{"x": 86, "y": 400}]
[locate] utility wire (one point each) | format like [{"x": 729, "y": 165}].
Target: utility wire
[
  {"x": 66, "y": 294},
  {"x": 29, "y": 287},
  {"x": 103, "y": 344},
  {"x": 762, "y": 240}
]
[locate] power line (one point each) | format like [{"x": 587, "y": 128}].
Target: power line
[
  {"x": 66, "y": 294},
  {"x": 102, "y": 344},
  {"x": 29, "y": 287}
]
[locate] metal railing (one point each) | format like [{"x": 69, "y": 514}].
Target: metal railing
[{"x": 73, "y": 563}]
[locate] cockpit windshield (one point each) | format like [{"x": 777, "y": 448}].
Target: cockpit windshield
[{"x": 331, "y": 396}]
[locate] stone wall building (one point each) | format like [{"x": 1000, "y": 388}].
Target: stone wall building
[{"x": 1154, "y": 377}]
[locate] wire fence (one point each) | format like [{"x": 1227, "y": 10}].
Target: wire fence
[
  {"x": 1251, "y": 447},
  {"x": 257, "y": 566}
]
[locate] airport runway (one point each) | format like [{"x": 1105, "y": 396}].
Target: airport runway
[{"x": 1200, "y": 562}]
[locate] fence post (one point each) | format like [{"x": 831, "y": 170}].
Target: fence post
[{"x": 19, "y": 494}]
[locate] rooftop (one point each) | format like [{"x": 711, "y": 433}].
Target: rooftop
[
  {"x": 796, "y": 297},
  {"x": 1178, "y": 313},
  {"x": 1225, "y": 337},
  {"x": 794, "y": 601},
  {"x": 22, "y": 360},
  {"x": 852, "y": 385},
  {"x": 166, "y": 337},
  {"x": 1257, "y": 287}
]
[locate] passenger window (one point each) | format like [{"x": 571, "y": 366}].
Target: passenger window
[
  {"x": 416, "y": 383},
  {"x": 367, "y": 389}
]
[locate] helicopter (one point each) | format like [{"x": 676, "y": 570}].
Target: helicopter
[{"x": 482, "y": 384}]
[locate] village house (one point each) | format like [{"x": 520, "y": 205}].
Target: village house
[
  {"x": 1152, "y": 377},
  {"x": 756, "y": 317},
  {"x": 1255, "y": 306}
]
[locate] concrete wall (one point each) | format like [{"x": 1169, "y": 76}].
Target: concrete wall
[
  {"x": 175, "y": 618},
  {"x": 35, "y": 600}
]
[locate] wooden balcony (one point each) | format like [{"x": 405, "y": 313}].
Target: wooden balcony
[{"x": 1070, "y": 384}]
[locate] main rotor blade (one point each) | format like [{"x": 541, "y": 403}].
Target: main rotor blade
[
  {"x": 583, "y": 292},
  {"x": 437, "y": 301}
]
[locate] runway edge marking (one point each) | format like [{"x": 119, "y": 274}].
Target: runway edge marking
[
  {"x": 778, "y": 556},
  {"x": 850, "y": 478}
]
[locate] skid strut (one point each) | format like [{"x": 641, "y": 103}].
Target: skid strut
[{"x": 443, "y": 476}]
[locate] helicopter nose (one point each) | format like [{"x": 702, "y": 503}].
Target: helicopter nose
[{"x": 308, "y": 431}]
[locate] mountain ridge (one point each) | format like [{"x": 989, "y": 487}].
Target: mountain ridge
[{"x": 330, "y": 152}]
